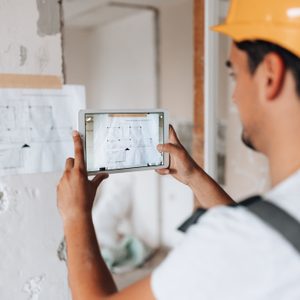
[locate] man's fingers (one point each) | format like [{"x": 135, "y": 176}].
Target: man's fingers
[
  {"x": 169, "y": 148},
  {"x": 163, "y": 171},
  {"x": 69, "y": 163},
  {"x": 99, "y": 178},
  {"x": 173, "y": 136},
  {"x": 78, "y": 150}
]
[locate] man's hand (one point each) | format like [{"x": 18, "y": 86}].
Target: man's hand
[
  {"x": 186, "y": 170},
  {"x": 182, "y": 166},
  {"x": 75, "y": 193},
  {"x": 89, "y": 277}
]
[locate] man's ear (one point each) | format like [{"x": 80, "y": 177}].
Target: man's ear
[{"x": 274, "y": 68}]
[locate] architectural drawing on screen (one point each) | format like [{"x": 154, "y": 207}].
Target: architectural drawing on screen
[{"x": 122, "y": 141}]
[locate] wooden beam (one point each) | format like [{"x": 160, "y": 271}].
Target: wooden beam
[
  {"x": 198, "y": 134},
  {"x": 29, "y": 81}
]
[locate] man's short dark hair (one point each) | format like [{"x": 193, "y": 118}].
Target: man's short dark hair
[{"x": 256, "y": 51}]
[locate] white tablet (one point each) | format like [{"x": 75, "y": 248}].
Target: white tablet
[{"x": 123, "y": 140}]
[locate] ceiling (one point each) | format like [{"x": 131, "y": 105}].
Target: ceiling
[{"x": 90, "y": 13}]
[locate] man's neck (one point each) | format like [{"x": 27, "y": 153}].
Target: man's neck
[
  {"x": 280, "y": 139},
  {"x": 283, "y": 164}
]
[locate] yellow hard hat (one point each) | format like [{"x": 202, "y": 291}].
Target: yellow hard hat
[{"x": 276, "y": 21}]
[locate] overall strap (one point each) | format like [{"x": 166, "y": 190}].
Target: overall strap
[
  {"x": 277, "y": 218},
  {"x": 193, "y": 219},
  {"x": 271, "y": 214}
]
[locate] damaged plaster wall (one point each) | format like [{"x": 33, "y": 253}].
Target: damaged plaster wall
[
  {"x": 31, "y": 232},
  {"x": 48, "y": 24},
  {"x": 30, "y": 226},
  {"x": 30, "y": 37}
]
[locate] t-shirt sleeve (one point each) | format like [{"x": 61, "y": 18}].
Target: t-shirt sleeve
[{"x": 211, "y": 258}]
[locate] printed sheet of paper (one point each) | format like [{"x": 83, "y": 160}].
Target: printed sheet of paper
[{"x": 36, "y": 128}]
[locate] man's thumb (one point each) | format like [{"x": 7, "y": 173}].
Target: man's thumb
[
  {"x": 173, "y": 136},
  {"x": 99, "y": 178}
]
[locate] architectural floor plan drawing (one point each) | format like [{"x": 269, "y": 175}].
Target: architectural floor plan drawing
[
  {"x": 36, "y": 128},
  {"x": 124, "y": 141}
]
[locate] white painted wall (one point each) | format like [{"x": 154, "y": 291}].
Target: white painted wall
[
  {"x": 30, "y": 227},
  {"x": 177, "y": 96},
  {"x": 177, "y": 59},
  {"x": 116, "y": 62},
  {"x": 123, "y": 63},
  {"x": 77, "y": 60}
]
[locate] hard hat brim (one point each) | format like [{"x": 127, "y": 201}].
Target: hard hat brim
[{"x": 287, "y": 37}]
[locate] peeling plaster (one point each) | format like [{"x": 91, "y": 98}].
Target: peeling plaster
[
  {"x": 31, "y": 192},
  {"x": 43, "y": 59},
  {"x": 4, "y": 203},
  {"x": 62, "y": 251},
  {"x": 13, "y": 56},
  {"x": 49, "y": 17},
  {"x": 23, "y": 55},
  {"x": 10, "y": 56},
  {"x": 8, "y": 199},
  {"x": 33, "y": 287},
  {"x": 19, "y": 30}
]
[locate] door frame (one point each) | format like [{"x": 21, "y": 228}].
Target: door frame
[{"x": 207, "y": 65}]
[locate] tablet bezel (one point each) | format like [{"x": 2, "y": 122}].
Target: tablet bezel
[{"x": 81, "y": 129}]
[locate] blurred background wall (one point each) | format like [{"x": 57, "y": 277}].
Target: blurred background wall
[
  {"x": 138, "y": 56},
  {"x": 127, "y": 55}
]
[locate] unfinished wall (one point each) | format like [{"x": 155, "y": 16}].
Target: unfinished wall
[
  {"x": 30, "y": 37},
  {"x": 177, "y": 96},
  {"x": 116, "y": 63},
  {"x": 176, "y": 54},
  {"x": 30, "y": 226},
  {"x": 119, "y": 72}
]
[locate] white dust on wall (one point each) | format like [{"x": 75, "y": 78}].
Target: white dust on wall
[{"x": 30, "y": 226}]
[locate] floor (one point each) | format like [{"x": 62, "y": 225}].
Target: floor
[{"x": 126, "y": 279}]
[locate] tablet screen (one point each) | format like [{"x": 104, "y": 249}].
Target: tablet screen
[{"x": 117, "y": 141}]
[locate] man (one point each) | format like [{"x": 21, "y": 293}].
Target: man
[{"x": 229, "y": 253}]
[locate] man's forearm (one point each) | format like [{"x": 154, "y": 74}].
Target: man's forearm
[
  {"x": 207, "y": 191},
  {"x": 89, "y": 277}
]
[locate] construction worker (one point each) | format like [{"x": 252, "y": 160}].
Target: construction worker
[{"x": 248, "y": 251}]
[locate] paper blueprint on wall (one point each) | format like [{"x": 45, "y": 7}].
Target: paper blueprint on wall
[{"x": 36, "y": 128}]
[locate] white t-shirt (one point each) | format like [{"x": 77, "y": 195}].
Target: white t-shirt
[{"x": 231, "y": 254}]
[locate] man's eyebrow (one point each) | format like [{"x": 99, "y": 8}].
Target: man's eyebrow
[{"x": 228, "y": 64}]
